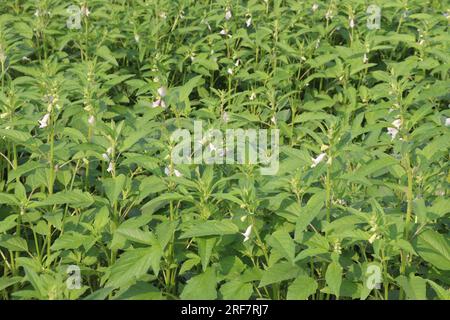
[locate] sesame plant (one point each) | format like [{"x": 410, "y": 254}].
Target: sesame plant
[{"x": 93, "y": 206}]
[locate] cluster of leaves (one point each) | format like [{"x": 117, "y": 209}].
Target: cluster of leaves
[{"x": 86, "y": 176}]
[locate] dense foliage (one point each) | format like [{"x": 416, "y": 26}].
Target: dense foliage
[{"x": 87, "y": 181}]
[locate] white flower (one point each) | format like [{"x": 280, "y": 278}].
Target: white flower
[
  {"x": 223, "y": 32},
  {"x": 85, "y": 11},
  {"x": 163, "y": 15},
  {"x": 237, "y": 63},
  {"x": 247, "y": 233},
  {"x": 315, "y": 7},
  {"x": 162, "y": 92},
  {"x": 43, "y": 123},
  {"x": 230, "y": 71},
  {"x": 91, "y": 120},
  {"x": 136, "y": 38},
  {"x": 105, "y": 156},
  {"x": 228, "y": 15},
  {"x": 351, "y": 23},
  {"x": 328, "y": 15},
  {"x": 159, "y": 103},
  {"x": 392, "y": 132},
  {"x": 373, "y": 238},
  {"x": 397, "y": 123},
  {"x": 365, "y": 59},
  {"x": 318, "y": 160},
  {"x": 252, "y": 96},
  {"x": 167, "y": 171},
  {"x": 177, "y": 173},
  {"x": 317, "y": 43},
  {"x": 109, "y": 151},
  {"x": 110, "y": 167},
  {"x": 36, "y": 13},
  {"x": 274, "y": 120},
  {"x": 208, "y": 25},
  {"x": 248, "y": 22},
  {"x": 447, "y": 122}
]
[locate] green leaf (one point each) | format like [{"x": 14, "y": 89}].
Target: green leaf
[
  {"x": 283, "y": 243},
  {"x": 114, "y": 187},
  {"x": 131, "y": 266},
  {"x": 140, "y": 291},
  {"x": 100, "y": 294},
  {"x": 309, "y": 212},
  {"x": 333, "y": 277},
  {"x": 9, "y": 199},
  {"x": 106, "y": 54},
  {"x": 201, "y": 287},
  {"x": 279, "y": 272},
  {"x": 302, "y": 288},
  {"x": 75, "y": 199},
  {"x": 236, "y": 290},
  {"x": 414, "y": 287},
  {"x": 162, "y": 200},
  {"x": 137, "y": 235},
  {"x": 15, "y": 135},
  {"x": 13, "y": 243},
  {"x": 6, "y": 282},
  {"x": 8, "y": 223},
  {"x": 72, "y": 240},
  {"x": 210, "y": 228},
  {"x": 433, "y": 248},
  {"x": 442, "y": 293},
  {"x": 205, "y": 249},
  {"x": 35, "y": 280}
]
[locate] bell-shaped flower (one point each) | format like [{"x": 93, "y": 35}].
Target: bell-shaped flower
[
  {"x": 43, "y": 123},
  {"x": 247, "y": 233},
  {"x": 318, "y": 160}
]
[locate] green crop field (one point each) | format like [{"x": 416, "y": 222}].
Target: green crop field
[{"x": 338, "y": 113}]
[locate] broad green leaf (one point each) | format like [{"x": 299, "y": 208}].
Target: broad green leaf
[
  {"x": 414, "y": 287},
  {"x": 131, "y": 266},
  {"x": 205, "y": 249},
  {"x": 70, "y": 240},
  {"x": 8, "y": 223},
  {"x": 283, "y": 243},
  {"x": 6, "y": 282},
  {"x": 333, "y": 277},
  {"x": 201, "y": 287},
  {"x": 443, "y": 294},
  {"x": 75, "y": 199},
  {"x": 433, "y": 248},
  {"x": 236, "y": 290},
  {"x": 13, "y": 243},
  {"x": 279, "y": 272},
  {"x": 210, "y": 228},
  {"x": 8, "y": 199},
  {"x": 309, "y": 212},
  {"x": 302, "y": 288},
  {"x": 114, "y": 187}
]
